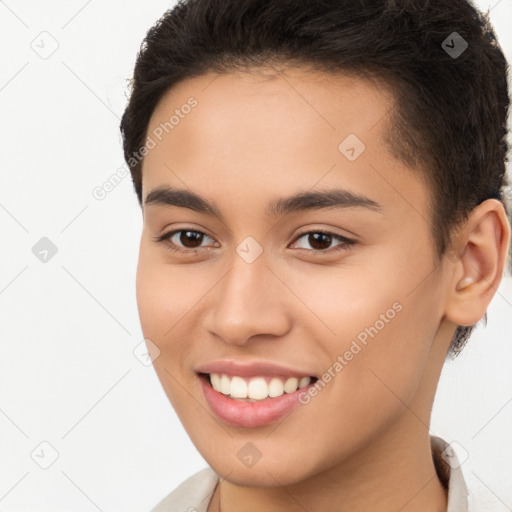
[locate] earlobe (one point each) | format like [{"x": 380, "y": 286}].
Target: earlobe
[{"x": 478, "y": 271}]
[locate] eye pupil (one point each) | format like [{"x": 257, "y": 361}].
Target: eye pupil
[
  {"x": 323, "y": 239},
  {"x": 187, "y": 236}
]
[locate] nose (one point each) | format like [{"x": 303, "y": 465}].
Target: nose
[{"x": 250, "y": 300}]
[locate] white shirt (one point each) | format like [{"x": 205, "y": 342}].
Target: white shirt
[{"x": 195, "y": 493}]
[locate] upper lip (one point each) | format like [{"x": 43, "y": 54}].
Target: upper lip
[{"x": 250, "y": 369}]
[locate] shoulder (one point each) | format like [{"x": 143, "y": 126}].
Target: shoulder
[{"x": 194, "y": 494}]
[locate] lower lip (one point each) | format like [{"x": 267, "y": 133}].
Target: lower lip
[{"x": 249, "y": 414}]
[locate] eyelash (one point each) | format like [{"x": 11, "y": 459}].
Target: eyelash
[{"x": 345, "y": 245}]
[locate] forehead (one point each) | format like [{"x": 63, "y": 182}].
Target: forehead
[
  {"x": 271, "y": 132},
  {"x": 270, "y": 108}
]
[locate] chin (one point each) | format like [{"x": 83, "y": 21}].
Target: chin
[{"x": 263, "y": 476}]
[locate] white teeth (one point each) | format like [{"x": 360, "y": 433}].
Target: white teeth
[
  {"x": 214, "y": 377},
  {"x": 238, "y": 388},
  {"x": 256, "y": 388},
  {"x": 303, "y": 382},
  {"x": 275, "y": 387},
  {"x": 291, "y": 385},
  {"x": 225, "y": 385}
]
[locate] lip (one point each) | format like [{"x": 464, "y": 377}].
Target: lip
[
  {"x": 251, "y": 369},
  {"x": 249, "y": 414}
]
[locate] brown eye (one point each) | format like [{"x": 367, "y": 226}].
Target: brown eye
[
  {"x": 183, "y": 240},
  {"x": 321, "y": 241},
  {"x": 190, "y": 239}
]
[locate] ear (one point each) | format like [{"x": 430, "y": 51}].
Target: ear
[{"x": 482, "y": 248}]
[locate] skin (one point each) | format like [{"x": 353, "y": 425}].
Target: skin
[{"x": 363, "y": 442}]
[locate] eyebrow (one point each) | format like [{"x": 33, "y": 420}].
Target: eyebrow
[{"x": 302, "y": 201}]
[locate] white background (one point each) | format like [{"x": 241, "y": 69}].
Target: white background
[{"x": 69, "y": 326}]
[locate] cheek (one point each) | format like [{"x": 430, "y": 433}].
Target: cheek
[
  {"x": 148, "y": 292},
  {"x": 164, "y": 295},
  {"x": 345, "y": 300},
  {"x": 162, "y": 305},
  {"x": 168, "y": 299},
  {"x": 380, "y": 326}
]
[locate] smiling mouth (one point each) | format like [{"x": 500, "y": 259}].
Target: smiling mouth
[{"x": 257, "y": 388}]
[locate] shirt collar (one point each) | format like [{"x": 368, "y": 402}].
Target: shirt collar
[{"x": 448, "y": 469}]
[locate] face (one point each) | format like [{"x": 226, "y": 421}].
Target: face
[{"x": 341, "y": 287}]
